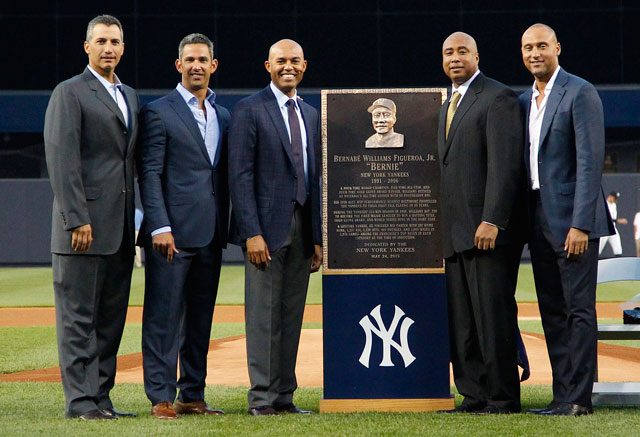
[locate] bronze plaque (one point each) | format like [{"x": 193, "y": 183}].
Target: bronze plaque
[{"x": 381, "y": 180}]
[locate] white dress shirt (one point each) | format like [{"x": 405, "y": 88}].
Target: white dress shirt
[
  {"x": 462, "y": 89},
  {"x": 115, "y": 91},
  {"x": 282, "y": 100},
  {"x": 536, "y": 115}
]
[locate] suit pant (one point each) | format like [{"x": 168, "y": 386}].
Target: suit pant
[
  {"x": 91, "y": 298},
  {"x": 274, "y": 305},
  {"x": 566, "y": 290},
  {"x": 483, "y": 325},
  {"x": 178, "y": 310}
]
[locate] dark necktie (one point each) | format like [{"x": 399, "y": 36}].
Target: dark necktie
[{"x": 298, "y": 157}]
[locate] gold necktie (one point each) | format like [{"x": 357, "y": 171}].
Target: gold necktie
[{"x": 453, "y": 106}]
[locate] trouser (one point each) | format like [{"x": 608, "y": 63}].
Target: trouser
[
  {"x": 274, "y": 305},
  {"x": 91, "y": 299}
]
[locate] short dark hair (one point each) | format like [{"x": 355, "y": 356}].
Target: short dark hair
[
  {"x": 195, "y": 38},
  {"x": 107, "y": 20}
]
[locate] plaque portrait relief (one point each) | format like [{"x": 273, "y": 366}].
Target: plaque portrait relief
[{"x": 383, "y": 117}]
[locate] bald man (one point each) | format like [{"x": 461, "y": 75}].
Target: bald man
[
  {"x": 480, "y": 153},
  {"x": 274, "y": 159},
  {"x": 564, "y": 155}
]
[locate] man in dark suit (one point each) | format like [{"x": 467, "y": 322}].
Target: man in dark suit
[
  {"x": 564, "y": 155},
  {"x": 274, "y": 159},
  {"x": 89, "y": 136},
  {"x": 479, "y": 139},
  {"x": 183, "y": 185}
]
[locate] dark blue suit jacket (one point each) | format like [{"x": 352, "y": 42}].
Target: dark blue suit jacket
[
  {"x": 571, "y": 158},
  {"x": 178, "y": 185},
  {"x": 262, "y": 173}
]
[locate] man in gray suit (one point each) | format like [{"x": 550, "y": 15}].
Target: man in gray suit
[
  {"x": 479, "y": 145},
  {"x": 89, "y": 136}
]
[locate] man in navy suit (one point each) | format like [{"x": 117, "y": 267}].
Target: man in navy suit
[
  {"x": 564, "y": 155},
  {"x": 183, "y": 185},
  {"x": 274, "y": 159}
]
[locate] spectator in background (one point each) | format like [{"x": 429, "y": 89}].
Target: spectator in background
[{"x": 613, "y": 240}]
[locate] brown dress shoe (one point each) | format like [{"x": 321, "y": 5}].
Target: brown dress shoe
[
  {"x": 164, "y": 410},
  {"x": 195, "y": 407}
]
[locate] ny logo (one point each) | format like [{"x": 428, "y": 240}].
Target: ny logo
[{"x": 386, "y": 335}]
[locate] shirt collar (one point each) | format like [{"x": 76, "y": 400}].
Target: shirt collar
[
  {"x": 188, "y": 96},
  {"x": 462, "y": 89},
  {"x": 548, "y": 86},
  {"x": 281, "y": 97},
  {"x": 105, "y": 82}
]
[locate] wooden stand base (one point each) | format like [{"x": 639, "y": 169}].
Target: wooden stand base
[{"x": 392, "y": 405}]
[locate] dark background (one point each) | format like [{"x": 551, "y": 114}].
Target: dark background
[{"x": 349, "y": 43}]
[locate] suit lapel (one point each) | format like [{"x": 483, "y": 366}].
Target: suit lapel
[
  {"x": 307, "y": 116},
  {"x": 442, "y": 126},
  {"x": 222, "y": 126},
  {"x": 527, "y": 112},
  {"x": 103, "y": 95},
  {"x": 132, "y": 107},
  {"x": 467, "y": 101},
  {"x": 557, "y": 92},
  {"x": 182, "y": 109},
  {"x": 271, "y": 105}
]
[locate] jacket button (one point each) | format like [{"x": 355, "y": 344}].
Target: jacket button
[
  {"x": 125, "y": 132},
  {"x": 213, "y": 192},
  {"x": 124, "y": 190}
]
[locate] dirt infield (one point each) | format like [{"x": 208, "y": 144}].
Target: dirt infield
[
  {"x": 235, "y": 313},
  {"x": 228, "y": 361}
]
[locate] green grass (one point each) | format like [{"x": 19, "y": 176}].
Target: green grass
[
  {"x": 32, "y": 287},
  {"x": 28, "y": 287},
  {"x": 609, "y": 292},
  {"x": 41, "y": 408}
]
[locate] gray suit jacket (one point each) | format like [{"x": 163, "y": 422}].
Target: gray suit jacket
[
  {"x": 90, "y": 152},
  {"x": 482, "y": 166}
]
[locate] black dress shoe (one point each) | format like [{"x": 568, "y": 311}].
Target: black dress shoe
[
  {"x": 551, "y": 406},
  {"x": 566, "y": 409},
  {"x": 291, "y": 409},
  {"x": 94, "y": 415},
  {"x": 262, "y": 411},
  {"x": 113, "y": 412},
  {"x": 493, "y": 409},
  {"x": 464, "y": 408}
]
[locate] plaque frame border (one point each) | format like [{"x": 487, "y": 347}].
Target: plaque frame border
[{"x": 325, "y": 201}]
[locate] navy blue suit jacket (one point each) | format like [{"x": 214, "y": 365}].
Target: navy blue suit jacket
[
  {"x": 179, "y": 186},
  {"x": 571, "y": 158},
  {"x": 262, "y": 177}
]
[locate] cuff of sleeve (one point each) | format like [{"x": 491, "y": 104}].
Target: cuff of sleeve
[{"x": 161, "y": 230}]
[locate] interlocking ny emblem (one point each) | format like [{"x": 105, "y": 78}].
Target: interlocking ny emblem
[{"x": 386, "y": 335}]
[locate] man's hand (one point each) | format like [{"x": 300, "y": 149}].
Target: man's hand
[
  {"x": 164, "y": 244},
  {"x": 485, "y": 237},
  {"x": 81, "y": 238},
  {"x": 316, "y": 261},
  {"x": 622, "y": 221},
  {"x": 258, "y": 252},
  {"x": 576, "y": 243}
]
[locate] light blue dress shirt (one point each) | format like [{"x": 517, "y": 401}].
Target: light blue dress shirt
[{"x": 208, "y": 125}]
